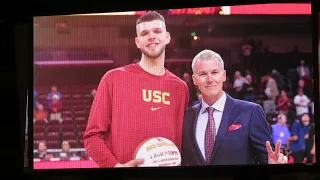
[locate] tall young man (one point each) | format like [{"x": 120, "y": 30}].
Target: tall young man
[{"x": 137, "y": 101}]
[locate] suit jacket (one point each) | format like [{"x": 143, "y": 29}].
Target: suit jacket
[{"x": 246, "y": 145}]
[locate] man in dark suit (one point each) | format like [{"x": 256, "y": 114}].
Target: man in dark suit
[{"x": 222, "y": 130}]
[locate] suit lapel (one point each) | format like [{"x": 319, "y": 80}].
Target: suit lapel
[
  {"x": 226, "y": 121},
  {"x": 194, "y": 127}
]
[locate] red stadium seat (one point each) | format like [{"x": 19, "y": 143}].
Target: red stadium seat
[
  {"x": 76, "y": 96},
  {"x": 80, "y": 113},
  {"x": 66, "y": 112},
  {"x": 82, "y": 122},
  {"x": 67, "y": 121},
  {"x": 53, "y": 145},
  {"x": 80, "y": 135},
  {"x": 53, "y": 136},
  {"x": 42, "y": 98},
  {"x": 88, "y": 107},
  {"x": 35, "y": 145},
  {"x": 81, "y": 127},
  {"x": 67, "y": 118},
  {"x": 68, "y": 128},
  {"x": 66, "y": 95},
  {"x": 39, "y": 136},
  {"x": 79, "y": 107},
  {"x": 40, "y": 123},
  {"x": 89, "y": 87},
  {"x": 67, "y": 136},
  {"x": 80, "y": 118},
  {"x": 66, "y": 103},
  {"x": 66, "y": 99},
  {"x": 53, "y": 128},
  {"x": 85, "y": 106},
  {"x": 87, "y": 96},
  {"x": 39, "y": 129},
  {"x": 78, "y": 101},
  {"x": 53, "y": 122}
]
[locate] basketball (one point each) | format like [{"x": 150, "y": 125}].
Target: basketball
[{"x": 158, "y": 152}]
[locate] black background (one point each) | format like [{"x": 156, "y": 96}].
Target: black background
[{"x": 16, "y": 76}]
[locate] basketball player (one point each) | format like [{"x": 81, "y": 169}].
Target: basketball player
[{"x": 137, "y": 101}]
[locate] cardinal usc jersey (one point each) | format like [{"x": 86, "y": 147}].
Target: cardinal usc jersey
[{"x": 131, "y": 106}]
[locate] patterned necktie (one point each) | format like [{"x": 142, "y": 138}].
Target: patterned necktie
[{"x": 210, "y": 135}]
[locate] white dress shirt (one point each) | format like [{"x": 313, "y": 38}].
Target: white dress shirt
[
  {"x": 301, "y": 100},
  {"x": 203, "y": 120}
]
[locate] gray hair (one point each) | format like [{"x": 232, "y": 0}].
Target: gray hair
[{"x": 206, "y": 55}]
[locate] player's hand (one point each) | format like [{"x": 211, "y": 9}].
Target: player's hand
[
  {"x": 306, "y": 136},
  {"x": 132, "y": 163},
  {"x": 275, "y": 157}
]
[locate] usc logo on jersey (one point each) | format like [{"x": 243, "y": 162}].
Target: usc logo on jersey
[{"x": 155, "y": 96}]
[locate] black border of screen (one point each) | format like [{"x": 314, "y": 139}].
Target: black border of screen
[{"x": 236, "y": 171}]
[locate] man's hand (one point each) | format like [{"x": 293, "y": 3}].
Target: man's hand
[
  {"x": 275, "y": 157},
  {"x": 306, "y": 136},
  {"x": 132, "y": 163}
]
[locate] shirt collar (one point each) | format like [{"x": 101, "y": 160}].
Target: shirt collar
[{"x": 218, "y": 105}]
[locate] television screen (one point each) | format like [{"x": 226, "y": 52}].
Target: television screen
[{"x": 228, "y": 85}]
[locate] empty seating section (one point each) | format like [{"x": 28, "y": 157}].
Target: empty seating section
[{"x": 76, "y": 106}]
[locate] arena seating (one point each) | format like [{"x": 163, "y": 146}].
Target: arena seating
[{"x": 76, "y": 108}]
